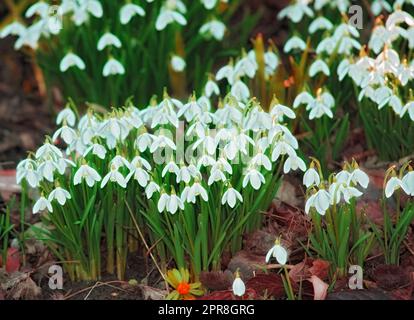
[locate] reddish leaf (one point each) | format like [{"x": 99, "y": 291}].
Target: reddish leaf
[
  {"x": 246, "y": 263},
  {"x": 391, "y": 277},
  {"x": 267, "y": 285},
  {"x": 216, "y": 280},
  {"x": 228, "y": 295},
  {"x": 13, "y": 260},
  {"x": 320, "y": 268}
]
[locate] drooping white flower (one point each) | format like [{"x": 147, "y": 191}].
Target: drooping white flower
[
  {"x": 114, "y": 176},
  {"x": 168, "y": 16},
  {"x": 239, "y": 288},
  {"x": 15, "y": 29},
  {"x": 170, "y": 203},
  {"x": 128, "y": 11},
  {"x": 320, "y": 201},
  {"x": 311, "y": 177},
  {"x": 66, "y": 133},
  {"x": 108, "y": 39},
  {"x": 317, "y": 67},
  {"x": 171, "y": 167},
  {"x": 394, "y": 184},
  {"x": 254, "y": 177},
  {"x": 71, "y": 60},
  {"x": 211, "y": 88},
  {"x": 293, "y": 162},
  {"x": 230, "y": 196},
  {"x": 177, "y": 63},
  {"x": 278, "y": 252},
  {"x": 151, "y": 188},
  {"x": 26, "y": 169},
  {"x": 41, "y": 204},
  {"x": 96, "y": 149},
  {"x": 85, "y": 172},
  {"x": 214, "y": 28},
  {"x": 113, "y": 67},
  {"x": 60, "y": 194},
  {"x": 320, "y": 23},
  {"x": 296, "y": 11},
  {"x": 39, "y": 8},
  {"x": 408, "y": 182},
  {"x": 209, "y": 4},
  {"x": 294, "y": 43},
  {"x": 66, "y": 115}
]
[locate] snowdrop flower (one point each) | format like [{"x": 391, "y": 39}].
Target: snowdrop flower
[
  {"x": 178, "y": 63},
  {"x": 296, "y": 11},
  {"x": 66, "y": 133},
  {"x": 15, "y": 29},
  {"x": 279, "y": 111},
  {"x": 71, "y": 60},
  {"x": 48, "y": 150},
  {"x": 378, "y": 6},
  {"x": 320, "y": 23},
  {"x": 162, "y": 142},
  {"x": 139, "y": 173},
  {"x": 108, "y": 39},
  {"x": 246, "y": 66},
  {"x": 26, "y": 169},
  {"x": 196, "y": 190},
  {"x": 113, "y": 67},
  {"x": 338, "y": 188},
  {"x": 343, "y": 69},
  {"x": 88, "y": 174},
  {"x": 294, "y": 43},
  {"x": 240, "y": 91},
  {"x": 394, "y": 184},
  {"x": 151, "y": 188},
  {"x": 226, "y": 72},
  {"x": 293, "y": 162},
  {"x": 211, "y": 88},
  {"x": 128, "y": 11},
  {"x": 41, "y": 204},
  {"x": 254, "y": 177},
  {"x": 114, "y": 176},
  {"x": 209, "y": 4},
  {"x": 97, "y": 150},
  {"x": 359, "y": 177},
  {"x": 230, "y": 197},
  {"x": 319, "y": 66},
  {"x": 213, "y": 28},
  {"x": 40, "y": 8},
  {"x": 239, "y": 289},
  {"x": 260, "y": 159},
  {"x": 320, "y": 201},
  {"x": 60, "y": 194},
  {"x": 66, "y": 115},
  {"x": 167, "y": 16},
  {"x": 278, "y": 252},
  {"x": 186, "y": 173},
  {"x": 170, "y": 203},
  {"x": 144, "y": 141},
  {"x": 410, "y": 108},
  {"x": 311, "y": 178},
  {"x": 319, "y": 106},
  {"x": 171, "y": 167},
  {"x": 408, "y": 182}
]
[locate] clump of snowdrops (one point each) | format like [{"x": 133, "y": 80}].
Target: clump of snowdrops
[
  {"x": 338, "y": 234},
  {"x": 394, "y": 230},
  {"x": 383, "y": 75},
  {"x": 104, "y": 51},
  {"x": 186, "y": 180}
]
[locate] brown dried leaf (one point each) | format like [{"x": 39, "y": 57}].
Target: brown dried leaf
[
  {"x": 320, "y": 288},
  {"x": 267, "y": 285},
  {"x": 216, "y": 280},
  {"x": 151, "y": 293}
]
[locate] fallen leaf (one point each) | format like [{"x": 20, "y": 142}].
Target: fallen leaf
[
  {"x": 247, "y": 264},
  {"x": 391, "y": 277},
  {"x": 13, "y": 260},
  {"x": 216, "y": 280},
  {"x": 151, "y": 293},
  {"x": 267, "y": 285},
  {"x": 320, "y": 288},
  {"x": 228, "y": 295}
]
